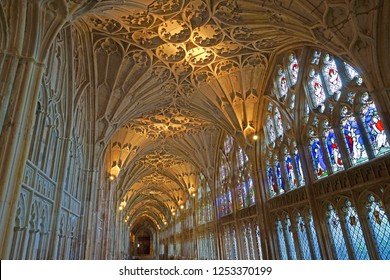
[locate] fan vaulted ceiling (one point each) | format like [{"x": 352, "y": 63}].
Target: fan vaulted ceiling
[{"x": 172, "y": 76}]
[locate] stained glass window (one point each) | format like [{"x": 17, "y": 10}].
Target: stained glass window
[
  {"x": 281, "y": 239},
  {"x": 303, "y": 239},
  {"x": 336, "y": 234},
  {"x": 353, "y": 138},
  {"x": 318, "y": 158},
  {"x": 251, "y": 191},
  {"x": 333, "y": 150},
  {"x": 351, "y": 73},
  {"x": 292, "y": 181},
  {"x": 355, "y": 232},
  {"x": 316, "y": 90},
  {"x": 234, "y": 243},
  {"x": 246, "y": 245},
  {"x": 290, "y": 239},
  {"x": 313, "y": 237},
  {"x": 241, "y": 196},
  {"x": 331, "y": 76},
  {"x": 293, "y": 68},
  {"x": 272, "y": 182},
  {"x": 279, "y": 178},
  {"x": 380, "y": 226},
  {"x": 299, "y": 168},
  {"x": 271, "y": 129},
  {"x": 250, "y": 241},
  {"x": 258, "y": 241},
  {"x": 282, "y": 84},
  {"x": 278, "y": 123},
  {"x": 373, "y": 126}
]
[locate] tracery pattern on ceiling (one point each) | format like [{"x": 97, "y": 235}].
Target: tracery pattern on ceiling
[{"x": 166, "y": 123}]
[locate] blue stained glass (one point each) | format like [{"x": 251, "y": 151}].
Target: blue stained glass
[
  {"x": 318, "y": 158},
  {"x": 230, "y": 202},
  {"x": 380, "y": 226},
  {"x": 292, "y": 181},
  {"x": 299, "y": 168},
  {"x": 282, "y": 242},
  {"x": 353, "y": 140},
  {"x": 303, "y": 239},
  {"x": 336, "y": 235},
  {"x": 333, "y": 150},
  {"x": 355, "y": 233},
  {"x": 279, "y": 178},
  {"x": 272, "y": 182},
  {"x": 290, "y": 239},
  {"x": 374, "y": 126},
  {"x": 245, "y": 195}
]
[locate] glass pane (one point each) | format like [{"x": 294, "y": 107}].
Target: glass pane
[
  {"x": 272, "y": 182},
  {"x": 333, "y": 150},
  {"x": 290, "y": 239},
  {"x": 318, "y": 158},
  {"x": 299, "y": 168},
  {"x": 313, "y": 237},
  {"x": 303, "y": 239},
  {"x": 282, "y": 243},
  {"x": 380, "y": 227},
  {"x": 353, "y": 139},
  {"x": 331, "y": 76},
  {"x": 374, "y": 126},
  {"x": 355, "y": 232},
  {"x": 292, "y": 182},
  {"x": 258, "y": 241},
  {"x": 316, "y": 89},
  {"x": 336, "y": 235},
  {"x": 293, "y": 68},
  {"x": 279, "y": 178}
]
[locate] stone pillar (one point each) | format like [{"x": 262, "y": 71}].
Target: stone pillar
[{"x": 24, "y": 45}]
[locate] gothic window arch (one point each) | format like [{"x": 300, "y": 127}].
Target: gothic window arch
[{"x": 379, "y": 224}]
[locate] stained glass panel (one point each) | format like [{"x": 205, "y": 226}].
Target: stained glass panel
[
  {"x": 246, "y": 245},
  {"x": 290, "y": 239},
  {"x": 234, "y": 241},
  {"x": 278, "y": 123},
  {"x": 270, "y": 129},
  {"x": 250, "y": 242},
  {"x": 279, "y": 178},
  {"x": 240, "y": 192},
  {"x": 299, "y": 168},
  {"x": 303, "y": 239},
  {"x": 282, "y": 85},
  {"x": 352, "y": 137},
  {"x": 351, "y": 73},
  {"x": 316, "y": 89},
  {"x": 331, "y": 76},
  {"x": 333, "y": 150},
  {"x": 355, "y": 232},
  {"x": 293, "y": 68},
  {"x": 272, "y": 182},
  {"x": 374, "y": 126},
  {"x": 336, "y": 235},
  {"x": 251, "y": 191},
  {"x": 313, "y": 237},
  {"x": 380, "y": 226},
  {"x": 258, "y": 241},
  {"x": 292, "y": 181},
  {"x": 282, "y": 242},
  {"x": 318, "y": 158}
]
